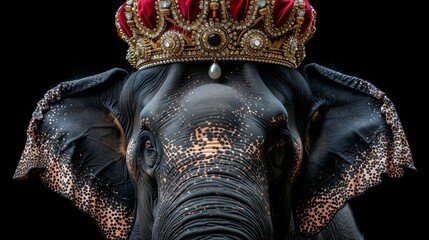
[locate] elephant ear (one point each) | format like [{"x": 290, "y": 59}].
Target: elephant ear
[
  {"x": 354, "y": 140},
  {"x": 76, "y": 146}
]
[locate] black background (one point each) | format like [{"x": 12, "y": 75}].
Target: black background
[{"x": 47, "y": 42}]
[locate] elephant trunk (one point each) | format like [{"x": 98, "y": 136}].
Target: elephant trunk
[{"x": 215, "y": 204}]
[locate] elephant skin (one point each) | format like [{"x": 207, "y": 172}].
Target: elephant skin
[{"x": 264, "y": 152}]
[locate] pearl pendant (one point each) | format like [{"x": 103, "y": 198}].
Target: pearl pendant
[{"x": 215, "y": 71}]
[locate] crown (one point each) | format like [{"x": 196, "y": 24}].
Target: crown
[{"x": 167, "y": 31}]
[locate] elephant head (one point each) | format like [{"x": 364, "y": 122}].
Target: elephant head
[
  {"x": 168, "y": 153},
  {"x": 256, "y": 149}
]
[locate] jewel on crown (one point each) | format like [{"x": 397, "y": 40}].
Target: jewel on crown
[{"x": 166, "y": 31}]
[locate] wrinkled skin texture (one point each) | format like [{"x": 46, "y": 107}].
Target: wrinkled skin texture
[{"x": 265, "y": 152}]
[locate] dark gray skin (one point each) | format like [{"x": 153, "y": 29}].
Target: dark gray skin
[
  {"x": 174, "y": 154},
  {"x": 207, "y": 157}
]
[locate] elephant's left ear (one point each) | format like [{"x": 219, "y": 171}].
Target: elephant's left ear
[
  {"x": 75, "y": 144},
  {"x": 354, "y": 139}
]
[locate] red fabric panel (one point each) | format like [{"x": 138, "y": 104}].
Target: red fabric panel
[
  {"x": 188, "y": 8},
  {"x": 123, "y": 21},
  {"x": 281, "y": 11},
  {"x": 238, "y": 9},
  {"x": 147, "y": 13}
]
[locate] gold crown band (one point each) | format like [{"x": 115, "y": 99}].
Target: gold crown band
[{"x": 214, "y": 35}]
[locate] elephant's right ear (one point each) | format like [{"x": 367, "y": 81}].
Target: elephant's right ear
[
  {"x": 76, "y": 145},
  {"x": 354, "y": 138}
]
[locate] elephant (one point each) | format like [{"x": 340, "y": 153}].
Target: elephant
[{"x": 264, "y": 152}]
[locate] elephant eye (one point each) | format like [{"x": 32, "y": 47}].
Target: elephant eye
[
  {"x": 150, "y": 153},
  {"x": 148, "y": 144},
  {"x": 280, "y": 152},
  {"x": 147, "y": 151},
  {"x": 280, "y": 143}
]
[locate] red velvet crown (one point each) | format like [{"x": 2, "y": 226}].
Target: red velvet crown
[{"x": 164, "y": 31}]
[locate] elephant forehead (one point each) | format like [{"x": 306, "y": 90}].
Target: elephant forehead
[
  {"x": 208, "y": 142},
  {"x": 224, "y": 104},
  {"x": 213, "y": 94}
]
